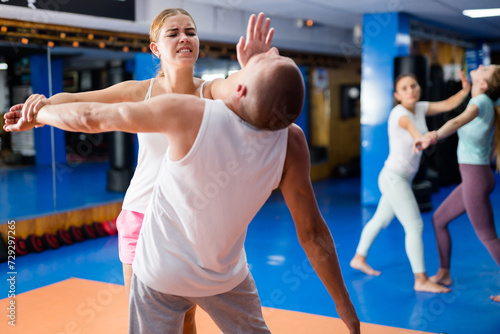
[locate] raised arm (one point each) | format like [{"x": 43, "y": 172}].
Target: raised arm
[
  {"x": 452, "y": 102},
  {"x": 259, "y": 38},
  {"x": 447, "y": 128},
  {"x": 312, "y": 231}
]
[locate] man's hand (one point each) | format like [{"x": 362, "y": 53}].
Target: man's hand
[
  {"x": 259, "y": 38},
  {"x": 14, "y": 120}
]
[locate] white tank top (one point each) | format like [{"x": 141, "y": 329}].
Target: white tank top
[
  {"x": 152, "y": 148},
  {"x": 192, "y": 237}
]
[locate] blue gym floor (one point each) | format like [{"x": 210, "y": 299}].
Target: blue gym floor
[{"x": 280, "y": 268}]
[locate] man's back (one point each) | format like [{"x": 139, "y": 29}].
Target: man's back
[{"x": 201, "y": 206}]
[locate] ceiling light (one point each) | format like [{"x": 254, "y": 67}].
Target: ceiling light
[
  {"x": 477, "y": 13},
  {"x": 304, "y": 23}
]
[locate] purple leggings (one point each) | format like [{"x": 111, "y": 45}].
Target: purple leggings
[{"x": 471, "y": 196}]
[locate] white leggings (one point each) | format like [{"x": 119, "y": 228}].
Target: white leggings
[{"x": 397, "y": 200}]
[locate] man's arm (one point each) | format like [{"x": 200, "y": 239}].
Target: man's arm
[
  {"x": 177, "y": 116},
  {"x": 313, "y": 233},
  {"x": 122, "y": 92}
]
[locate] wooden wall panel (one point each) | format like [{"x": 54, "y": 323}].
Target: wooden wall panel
[
  {"x": 52, "y": 223},
  {"x": 344, "y": 134}
]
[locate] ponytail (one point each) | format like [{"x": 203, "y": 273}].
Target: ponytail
[
  {"x": 493, "y": 92},
  {"x": 496, "y": 139}
]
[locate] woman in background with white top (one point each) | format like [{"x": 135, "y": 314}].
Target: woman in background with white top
[{"x": 406, "y": 123}]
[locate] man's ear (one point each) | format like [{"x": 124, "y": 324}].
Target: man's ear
[{"x": 241, "y": 91}]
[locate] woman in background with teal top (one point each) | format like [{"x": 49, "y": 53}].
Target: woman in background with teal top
[{"x": 475, "y": 128}]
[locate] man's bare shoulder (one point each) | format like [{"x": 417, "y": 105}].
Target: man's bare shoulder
[
  {"x": 297, "y": 153},
  {"x": 296, "y": 137}
]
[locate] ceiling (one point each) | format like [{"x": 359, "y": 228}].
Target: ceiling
[
  {"x": 335, "y": 20},
  {"x": 346, "y": 14}
]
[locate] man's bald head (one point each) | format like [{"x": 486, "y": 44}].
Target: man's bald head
[{"x": 275, "y": 92}]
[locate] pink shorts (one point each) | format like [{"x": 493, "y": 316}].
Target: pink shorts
[{"x": 128, "y": 225}]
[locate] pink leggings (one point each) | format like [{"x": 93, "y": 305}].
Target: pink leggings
[{"x": 471, "y": 196}]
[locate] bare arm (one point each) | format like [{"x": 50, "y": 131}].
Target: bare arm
[
  {"x": 177, "y": 116},
  {"x": 452, "y": 102},
  {"x": 259, "y": 38},
  {"x": 447, "y": 128},
  {"x": 454, "y": 124},
  {"x": 423, "y": 140},
  {"x": 313, "y": 233},
  {"x": 127, "y": 91},
  {"x": 409, "y": 126}
]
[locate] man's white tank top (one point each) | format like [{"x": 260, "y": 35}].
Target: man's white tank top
[
  {"x": 192, "y": 237},
  {"x": 152, "y": 148}
]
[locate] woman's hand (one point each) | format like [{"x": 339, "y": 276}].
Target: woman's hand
[
  {"x": 465, "y": 82},
  {"x": 420, "y": 144},
  {"x": 31, "y": 106}
]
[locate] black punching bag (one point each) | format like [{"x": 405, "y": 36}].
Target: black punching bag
[
  {"x": 436, "y": 93},
  {"x": 443, "y": 155},
  {"x": 417, "y": 65},
  {"x": 120, "y": 160}
]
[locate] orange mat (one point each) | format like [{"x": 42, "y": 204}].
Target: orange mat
[{"x": 89, "y": 307}]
